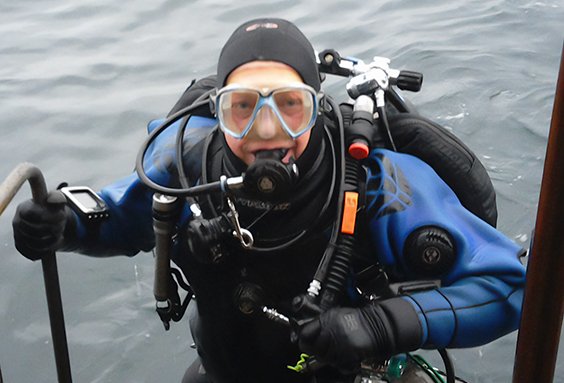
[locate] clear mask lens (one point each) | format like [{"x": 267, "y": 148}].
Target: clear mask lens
[{"x": 295, "y": 108}]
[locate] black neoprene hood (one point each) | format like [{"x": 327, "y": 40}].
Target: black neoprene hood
[{"x": 269, "y": 40}]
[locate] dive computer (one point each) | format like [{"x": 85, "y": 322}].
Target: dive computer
[{"x": 86, "y": 203}]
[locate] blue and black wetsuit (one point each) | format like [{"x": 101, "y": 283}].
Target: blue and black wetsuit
[{"x": 479, "y": 299}]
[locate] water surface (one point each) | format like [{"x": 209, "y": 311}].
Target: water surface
[{"x": 80, "y": 80}]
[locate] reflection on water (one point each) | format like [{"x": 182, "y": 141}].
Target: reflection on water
[{"x": 79, "y": 82}]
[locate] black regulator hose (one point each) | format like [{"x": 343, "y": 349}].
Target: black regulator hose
[
  {"x": 335, "y": 264},
  {"x": 449, "y": 367},
  {"x": 340, "y": 265},
  {"x": 139, "y": 168},
  {"x": 182, "y": 177},
  {"x": 323, "y": 267}
]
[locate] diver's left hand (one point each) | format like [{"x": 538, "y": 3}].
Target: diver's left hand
[{"x": 343, "y": 337}]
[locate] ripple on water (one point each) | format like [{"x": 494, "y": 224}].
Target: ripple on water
[{"x": 79, "y": 80}]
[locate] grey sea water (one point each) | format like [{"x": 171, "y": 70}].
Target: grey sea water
[{"x": 80, "y": 80}]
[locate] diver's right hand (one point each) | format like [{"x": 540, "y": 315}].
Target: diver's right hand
[{"x": 39, "y": 229}]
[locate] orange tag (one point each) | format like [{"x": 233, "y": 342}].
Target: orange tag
[{"x": 349, "y": 212}]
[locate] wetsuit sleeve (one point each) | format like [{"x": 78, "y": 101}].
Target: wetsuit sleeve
[
  {"x": 480, "y": 295},
  {"x": 128, "y": 230},
  {"x": 129, "y": 227}
]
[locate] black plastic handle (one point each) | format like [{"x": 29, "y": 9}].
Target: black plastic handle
[{"x": 409, "y": 80}]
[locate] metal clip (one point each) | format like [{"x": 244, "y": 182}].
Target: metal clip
[{"x": 244, "y": 235}]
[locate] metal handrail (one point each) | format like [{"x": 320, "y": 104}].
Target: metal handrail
[{"x": 8, "y": 189}]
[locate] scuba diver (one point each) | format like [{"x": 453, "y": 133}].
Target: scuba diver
[{"x": 350, "y": 261}]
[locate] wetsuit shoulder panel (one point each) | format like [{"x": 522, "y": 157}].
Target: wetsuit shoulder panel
[{"x": 482, "y": 290}]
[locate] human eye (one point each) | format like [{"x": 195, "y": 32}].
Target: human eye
[
  {"x": 242, "y": 104},
  {"x": 289, "y": 102}
]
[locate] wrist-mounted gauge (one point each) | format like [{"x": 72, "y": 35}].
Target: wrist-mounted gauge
[{"x": 86, "y": 203}]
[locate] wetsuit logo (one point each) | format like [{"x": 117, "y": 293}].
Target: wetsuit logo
[
  {"x": 388, "y": 190},
  {"x": 263, "y": 205},
  {"x": 350, "y": 322}
]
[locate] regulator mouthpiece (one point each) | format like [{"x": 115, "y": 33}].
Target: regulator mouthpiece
[{"x": 268, "y": 178}]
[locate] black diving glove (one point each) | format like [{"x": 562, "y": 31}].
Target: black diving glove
[
  {"x": 343, "y": 337},
  {"x": 41, "y": 229}
]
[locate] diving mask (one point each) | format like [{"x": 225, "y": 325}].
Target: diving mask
[{"x": 237, "y": 108}]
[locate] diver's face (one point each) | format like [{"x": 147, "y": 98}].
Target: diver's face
[{"x": 266, "y": 133}]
